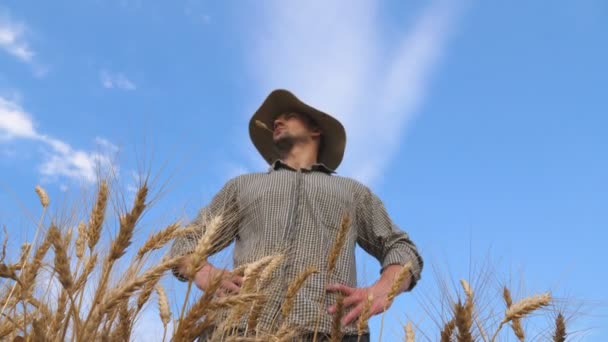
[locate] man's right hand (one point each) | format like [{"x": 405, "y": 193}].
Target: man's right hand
[{"x": 229, "y": 283}]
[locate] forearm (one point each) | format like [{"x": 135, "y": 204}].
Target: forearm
[{"x": 388, "y": 277}]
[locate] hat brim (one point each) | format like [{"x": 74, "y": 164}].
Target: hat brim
[{"x": 280, "y": 101}]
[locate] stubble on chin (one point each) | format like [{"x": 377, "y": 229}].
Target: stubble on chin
[{"x": 283, "y": 144}]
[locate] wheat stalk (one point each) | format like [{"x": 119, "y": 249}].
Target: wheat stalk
[
  {"x": 253, "y": 271},
  {"x": 163, "y": 309},
  {"x": 204, "y": 245},
  {"x": 516, "y": 322},
  {"x": 336, "y": 328},
  {"x": 470, "y": 307},
  {"x": 97, "y": 216},
  {"x": 560, "y": 329},
  {"x": 409, "y": 332},
  {"x": 523, "y": 308},
  {"x": 464, "y": 321},
  {"x": 42, "y": 196},
  {"x": 404, "y": 272},
  {"x": 262, "y": 125},
  {"x": 448, "y": 331},
  {"x": 293, "y": 288},
  {"x": 365, "y": 315},
  {"x": 334, "y": 252},
  {"x": 158, "y": 240},
  {"x": 81, "y": 240},
  {"x": 62, "y": 264},
  {"x": 127, "y": 224},
  {"x": 264, "y": 278}
]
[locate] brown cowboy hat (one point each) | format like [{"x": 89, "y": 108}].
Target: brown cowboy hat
[{"x": 280, "y": 101}]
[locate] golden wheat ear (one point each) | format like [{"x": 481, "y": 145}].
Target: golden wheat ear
[
  {"x": 410, "y": 336},
  {"x": 262, "y": 125}
]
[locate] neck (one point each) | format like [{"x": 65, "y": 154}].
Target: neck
[{"x": 300, "y": 157}]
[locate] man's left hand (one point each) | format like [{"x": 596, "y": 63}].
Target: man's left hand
[{"x": 356, "y": 298}]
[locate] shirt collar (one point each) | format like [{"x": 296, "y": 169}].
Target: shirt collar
[{"x": 278, "y": 164}]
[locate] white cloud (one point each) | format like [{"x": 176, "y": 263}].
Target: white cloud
[
  {"x": 116, "y": 80},
  {"x": 14, "y": 121},
  {"x": 12, "y": 39},
  {"x": 61, "y": 160},
  {"x": 342, "y": 64}
]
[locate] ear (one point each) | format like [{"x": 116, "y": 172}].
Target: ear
[{"x": 316, "y": 132}]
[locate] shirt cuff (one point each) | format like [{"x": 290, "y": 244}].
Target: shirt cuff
[{"x": 401, "y": 257}]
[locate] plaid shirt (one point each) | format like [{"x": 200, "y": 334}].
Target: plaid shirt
[{"x": 298, "y": 213}]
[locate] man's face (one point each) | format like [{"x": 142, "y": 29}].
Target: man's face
[{"x": 293, "y": 127}]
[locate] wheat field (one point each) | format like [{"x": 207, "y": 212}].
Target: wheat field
[{"x": 96, "y": 300}]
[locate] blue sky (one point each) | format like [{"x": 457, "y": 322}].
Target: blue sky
[{"x": 481, "y": 125}]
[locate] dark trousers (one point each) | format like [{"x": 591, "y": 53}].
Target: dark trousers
[
  {"x": 323, "y": 338},
  {"x": 345, "y": 338}
]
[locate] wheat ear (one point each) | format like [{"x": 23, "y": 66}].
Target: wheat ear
[
  {"x": 97, "y": 216},
  {"x": 523, "y": 308},
  {"x": 516, "y": 322},
  {"x": 158, "y": 240},
  {"x": 336, "y": 328},
  {"x": 334, "y": 252},
  {"x": 42, "y": 196},
  {"x": 560, "y": 329},
  {"x": 410, "y": 336},
  {"x": 293, "y": 288},
  {"x": 448, "y": 331}
]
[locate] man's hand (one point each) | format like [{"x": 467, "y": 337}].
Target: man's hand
[
  {"x": 229, "y": 283},
  {"x": 356, "y": 298}
]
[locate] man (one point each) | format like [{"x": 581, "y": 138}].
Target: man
[{"x": 296, "y": 208}]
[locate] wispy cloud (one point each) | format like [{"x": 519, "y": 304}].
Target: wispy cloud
[
  {"x": 342, "y": 64},
  {"x": 12, "y": 39},
  {"x": 116, "y": 80},
  {"x": 60, "y": 159}
]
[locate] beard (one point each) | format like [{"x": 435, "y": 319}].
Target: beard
[{"x": 285, "y": 142}]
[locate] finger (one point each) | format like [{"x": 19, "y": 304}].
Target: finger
[
  {"x": 230, "y": 286},
  {"x": 238, "y": 280},
  {"x": 353, "y": 299},
  {"x": 220, "y": 293},
  {"x": 352, "y": 314},
  {"x": 378, "y": 307},
  {"x": 340, "y": 288}
]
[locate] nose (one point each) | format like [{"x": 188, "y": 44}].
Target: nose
[{"x": 279, "y": 122}]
